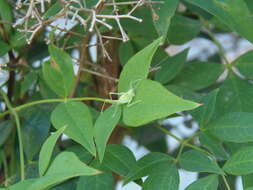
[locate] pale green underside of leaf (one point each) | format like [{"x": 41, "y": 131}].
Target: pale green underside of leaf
[
  {"x": 65, "y": 166},
  {"x": 104, "y": 126},
  {"x": 153, "y": 102},
  {"x": 76, "y": 116},
  {"x": 137, "y": 68},
  {"x": 47, "y": 150}
]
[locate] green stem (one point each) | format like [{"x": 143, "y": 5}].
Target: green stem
[
  {"x": 184, "y": 142},
  {"x": 216, "y": 42},
  {"x": 17, "y": 121},
  {"x": 170, "y": 134},
  {"x": 180, "y": 152},
  {"x": 226, "y": 182},
  {"x": 5, "y": 168},
  {"x": 21, "y": 107}
]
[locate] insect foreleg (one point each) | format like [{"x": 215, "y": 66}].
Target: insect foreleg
[{"x": 133, "y": 103}]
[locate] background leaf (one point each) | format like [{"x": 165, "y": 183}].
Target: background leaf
[
  {"x": 209, "y": 182},
  {"x": 119, "y": 159},
  {"x": 6, "y": 14},
  {"x": 182, "y": 29},
  {"x": 188, "y": 78},
  {"x": 234, "y": 96},
  {"x": 5, "y": 130},
  {"x": 244, "y": 64},
  {"x": 166, "y": 178},
  {"x": 214, "y": 145},
  {"x": 204, "y": 113},
  {"x": 163, "y": 15},
  {"x": 4, "y": 46},
  {"x": 238, "y": 18},
  {"x": 35, "y": 128},
  {"x": 234, "y": 127},
  {"x": 170, "y": 67},
  {"x": 102, "y": 181},
  {"x": 199, "y": 162},
  {"x": 241, "y": 163},
  {"x": 58, "y": 72},
  {"x": 147, "y": 165}
]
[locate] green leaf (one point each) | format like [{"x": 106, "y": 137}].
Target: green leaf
[
  {"x": 213, "y": 144},
  {"x": 137, "y": 67},
  {"x": 241, "y": 163},
  {"x": 247, "y": 181},
  {"x": 182, "y": 29},
  {"x": 102, "y": 181},
  {"x": 5, "y": 130},
  {"x": 126, "y": 51},
  {"x": 170, "y": 67},
  {"x": 235, "y": 95},
  {"x": 65, "y": 166},
  {"x": 151, "y": 102},
  {"x": 167, "y": 178},
  {"x": 47, "y": 150},
  {"x": 58, "y": 72},
  {"x": 250, "y": 188},
  {"x": 81, "y": 153},
  {"x": 209, "y": 182},
  {"x": 53, "y": 10},
  {"x": 22, "y": 184},
  {"x": 104, "y": 126},
  {"x": 199, "y": 75},
  {"x": 35, "y": 129},
  {"x": 204, "y": 113},
  {"x": 234, "y": 127},
  {"x": 238, "y": 18},
  {"x": 119, "y": 159},
  {"x": 199, "y": 162},
  {"x": 29, "y": 80},
  {"x": 163, "y": 15},
  {"x": 74, "y": 165},
  {"x": 4, "y": 46},
  {"x": 157, "y": 141},
  {"x": 69, "y": 184},
  {"x": 76, "y": 116},
  {"x": 147, "y": 165},
  {"x": 6, "y": 14},
  {"x": 244, "y": 64},
  {"x": 250, "y": 5},
  {"x": 138, "y": 31}
]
